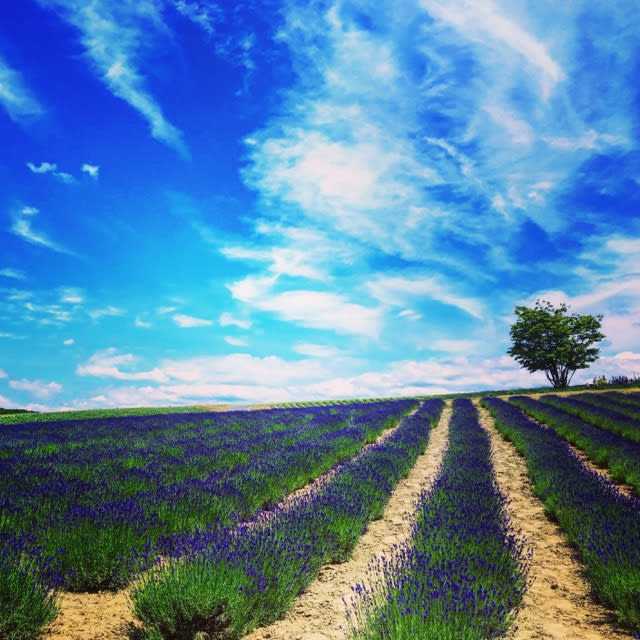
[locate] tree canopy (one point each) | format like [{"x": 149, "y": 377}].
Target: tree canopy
[{"x": 546, "y": 338}]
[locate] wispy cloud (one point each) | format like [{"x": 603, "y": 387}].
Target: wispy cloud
[
  {"x": 316, "y": 350},
  {"x": 43, "y": 167},
  {"x": 16, "y": 274},
  {"x": 415, "y": 130},
  {"x": 109, "y": 363},
  {"x": 22, "y": 227},
  {"x": 37, "y": 388},
  {"x": 312, "y": 309},
  {"x": 15, "y": 97},
  {"x": 141, "y": 323},
  {"x": 92, "y": 170},
  {"x": 108, "y": 311},
  {"x": 397, "y": 290},
  {"x": 115, "y": 37},
  {"x": 5, "y": 403},
  {"x": 235, "y": 342},
  {"x": 69, "y": 342},
  {"x": 189, "y": 322},
  {"x": 72, "y": 295},
  {"x": 229, "y": 320},
  {"x": 205, "y": 14},
  {"x": 52, "y": 168}
]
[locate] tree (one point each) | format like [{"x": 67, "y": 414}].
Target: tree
[{"x": 545, "y": 338}]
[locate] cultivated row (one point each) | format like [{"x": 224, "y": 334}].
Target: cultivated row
[
  {"x": 463, "y": 574},
  {"x": 602, "y": 523},
  {"x": 227, "y": 582},
  {"x": 603, "y": 447},
  {"x": 87, "y": 505}
]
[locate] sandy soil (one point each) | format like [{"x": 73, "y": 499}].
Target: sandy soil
[
  {"x": 95, "y": 616},
  {"x": 320, "y": 613},
  {"x": 558, "y": 604}
]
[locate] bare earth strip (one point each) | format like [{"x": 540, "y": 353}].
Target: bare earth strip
[
  {"x": 99, "y": 616},
  {"x": 107, "y": 615},
  {"x": 320, "y": 613},
  {"x": 558, "y": 604}
]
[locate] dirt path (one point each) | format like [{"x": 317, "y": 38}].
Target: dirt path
[
  {"x": 107, "y": 615},
  {"x": 558, "y": 604},
  {"x": 320, "y": 613},
  {"x": 95, "y": 616}
]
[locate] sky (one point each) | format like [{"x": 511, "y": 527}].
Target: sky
[{"x": 273, "y": 200}]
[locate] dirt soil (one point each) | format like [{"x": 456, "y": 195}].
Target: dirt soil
[
  {"x": 559, "y": 604},
  {"x": 92, "y": 616},
  {"x": 320, "y": 612}
]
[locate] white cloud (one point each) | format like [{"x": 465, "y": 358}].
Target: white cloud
[
  {"x": 313, "y": 309},
  {"x": 3, "y": 374},
  {"x": 140, "y": 323},
  {"x": 36, "y": 387},
  {"x": 206, "y": 15},
  {"x": 108, "y": 311},
  {"x": 68, "y": 342},
  {"x": 590, "y": 140},
  {"x": 22, "y": 227},
  {"x": 71, "y": 295},
  {"x": 190, "y": 322},
  {"x": 114, "y": 36},
  {"x": 43, "y": 167},
  {"x": 486, "y": 24},
  {"x": 397, "y": 290},
  {"x": 16, "y": 274},
  {"x": 52, "y": 168},
  {"x": 67, "y": 178},
  {"x": 228, "y": 320},
  {"x": 92, "y": 170},
  {"x": 15, "y": 97},
  {"x": 410, "y": 314},
  {"x": 235, "y": 342},
  {"x": 519, "y": 131},
  {"x": 108, "y": 363},
  {"x": 165, "y": 310},
  {"x": 316, "y": 350}
]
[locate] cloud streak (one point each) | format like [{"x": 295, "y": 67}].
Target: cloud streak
[
  {"x": 115, "y": 36},
  {"x": 22, "y": 227},
  {"x": 18, "y": 101}
]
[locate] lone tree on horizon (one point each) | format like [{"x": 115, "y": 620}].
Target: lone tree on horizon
[{"x": 545, "y": 338}]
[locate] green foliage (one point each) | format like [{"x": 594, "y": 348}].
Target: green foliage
[
  {"x": 26, "y": 605},
  {"x": 545, "y": 338},
  {"x": 187, "y": 597}
]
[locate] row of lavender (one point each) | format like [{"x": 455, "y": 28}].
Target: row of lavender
[
  {"x": 602, "y": 523},
  {"x": 621, "y": 416},
  {"x": 464, "y": 573},
  {"x": 582, "y": 427},
  {"x": 87, "y": 505},
  {"x": 226, "y": 582}
]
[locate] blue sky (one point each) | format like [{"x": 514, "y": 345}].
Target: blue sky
[{"x": 268, "y": 200}]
